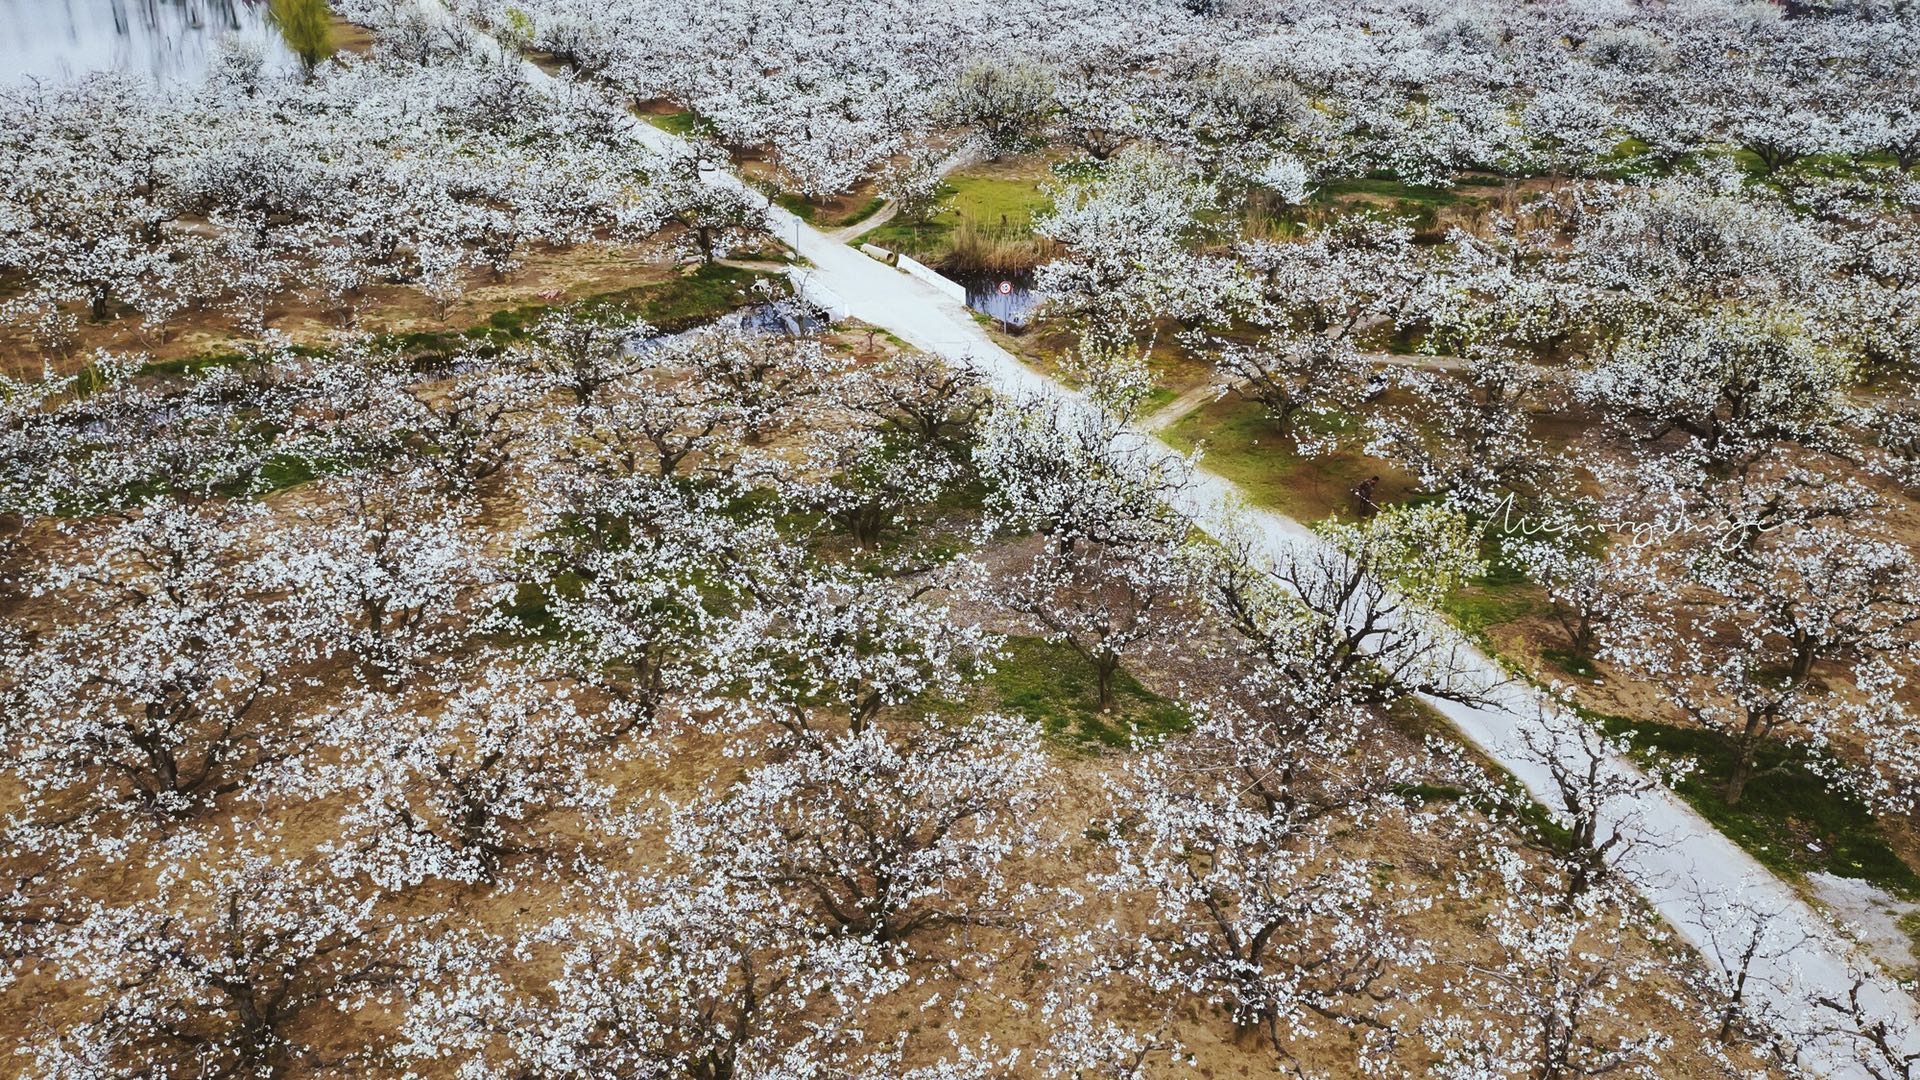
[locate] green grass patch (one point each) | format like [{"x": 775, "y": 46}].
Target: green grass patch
[
  {"x": 1241, "y": 443},
  {"x": 1791, "y": 820},
  {"x": 1571, "y": 662},
  {"x": 999, "y": 206},
  {"x": 1909, "y": 925},
  {"x": 275, "y": 473},
  {"x": 1426, "y": 792},
  {"x": 796, "y": 205},
  {"x": 184, "y": 365},
  {"x": 920, "y": 239},
  {"x": 1010, "y": 204},
  {"x": 831, "y": 214},
  {"x": 708, "y": 293},
  {"x": 672, "y": 304},
  {"x": 1420, "y": 721},
  {"x": 864, "y": 211},
  {"x": 1387, "y": 188},
  {"x": 1079, "y": 169},
  {"x": 1158, "y": 398},
  {"x": 1051, "y": 684},
  {"x": 283, "y": 471},
  {"x": 197, "y": 364},
  {"x": 1501, "y": 595},
  {"x": 529, "y": 611},
  {"x": 675, "y": 303},
  {"x": 1477, "y": 607},
  {"x": 1553, "y": 835},
  {"x": 679, "y": 123},
  {"x": 1418, "y": 206},
  {"x": 1630, "y": 157}
]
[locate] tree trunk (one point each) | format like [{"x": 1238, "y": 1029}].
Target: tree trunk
[
  {"x": 1581, "y": 633},
  {"x": 1742, "y": 772},
  {"x": 1104, "y": 668}
]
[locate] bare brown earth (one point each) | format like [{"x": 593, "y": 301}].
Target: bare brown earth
[
  {"x": 549, "y": 275},
  {"x": 689, "y": 761}
]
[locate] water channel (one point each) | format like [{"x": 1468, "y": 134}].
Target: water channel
[{"x": 168, "y": 41}]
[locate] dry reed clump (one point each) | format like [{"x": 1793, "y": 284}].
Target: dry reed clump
[{"x": 986, "y": 249}]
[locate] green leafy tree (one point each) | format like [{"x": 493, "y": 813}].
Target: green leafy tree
[{"x": 307, "y": 28}]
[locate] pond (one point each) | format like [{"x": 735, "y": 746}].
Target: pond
[
  {"x": 1011, "y": 307},
  {"x": 169, "y": 41}
]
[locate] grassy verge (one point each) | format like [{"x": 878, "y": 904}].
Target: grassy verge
[
  {"x": 864, "y": 211},
  {"x": 836, "y": 212},
  {"x": 981, "y": 212},
  {"x": 1386, "y": 188},
  {"x": 1242, "y": 445},
  {"x": 680, "y": 302},
  {"x": 1501, "y": 595},
  {"x": 792, "y": 204},
  {"x": 675, "y": 303},
  {"x": 1792, "y": 821},
  {"x": 1420, "y": 722},
  {"x": 830, "y": 215},
  {"x": 1158, "y": 398},
  {"x": 678, "y": 123},
  {"x": 1050, "y": 684}
]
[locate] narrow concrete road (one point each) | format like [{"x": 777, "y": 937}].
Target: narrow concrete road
[
  {"x": 1704, "y": 886},
  {"x": 1700, "y": 882}
]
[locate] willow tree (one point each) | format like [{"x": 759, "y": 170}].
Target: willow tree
[{"x": 307, "y": 28}]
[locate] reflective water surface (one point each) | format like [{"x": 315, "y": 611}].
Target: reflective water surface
[
  {"x": 1011, "y": 307},
  {"x": 167, "y": 40}
]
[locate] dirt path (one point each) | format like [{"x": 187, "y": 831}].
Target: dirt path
[
  {"x": 1173, "y": 411},
  {"x": 847, "y": 234},
  {"x": 1169, "y": 414}
]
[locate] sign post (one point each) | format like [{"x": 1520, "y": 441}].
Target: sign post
[{"x": 1006, "y": 289}]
